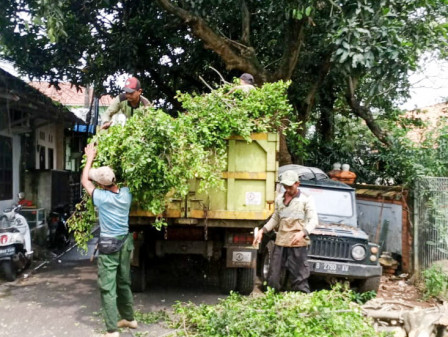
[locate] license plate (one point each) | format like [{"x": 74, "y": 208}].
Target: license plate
[
  {"x": 7, "y": 251},
  {"x": 331, "y": 268},
  {"x": 241, "y": 257}
]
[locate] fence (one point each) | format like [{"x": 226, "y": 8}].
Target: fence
[{"x": 430, "y": 222}]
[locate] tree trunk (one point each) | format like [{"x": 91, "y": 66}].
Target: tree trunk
[
  {"x": 284, "y": 157},
  {"x": 325, "y": 127}
]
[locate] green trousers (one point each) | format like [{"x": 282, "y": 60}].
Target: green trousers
[{"x": 114, "y": 280}]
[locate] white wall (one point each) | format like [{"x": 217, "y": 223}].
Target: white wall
[{"x": 16, "y": 149}]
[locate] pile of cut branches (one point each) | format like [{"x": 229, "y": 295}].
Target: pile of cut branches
[{"x": 155, "y": 154}]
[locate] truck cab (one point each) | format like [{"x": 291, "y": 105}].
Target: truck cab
[{"x": 339, "y": 250}]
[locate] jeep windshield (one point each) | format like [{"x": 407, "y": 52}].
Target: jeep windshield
[{"x": 334, "y": 203}]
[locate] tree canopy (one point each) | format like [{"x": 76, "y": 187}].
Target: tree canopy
[{"x": 347, "y": 57}]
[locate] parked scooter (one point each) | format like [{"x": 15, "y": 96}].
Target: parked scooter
[
  {"x": 57, "y": 225},
  {"x": 15, "y": 243}
]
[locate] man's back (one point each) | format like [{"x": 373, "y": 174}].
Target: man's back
[{"x": 113, "y": 210}]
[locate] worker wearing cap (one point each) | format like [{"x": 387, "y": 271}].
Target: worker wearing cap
[
  {"x": 126, "y": 102},
  {"x": 114, "y": 278},
  {"x": 295, "y": 216},
  {"x": 246, "y": 83}
]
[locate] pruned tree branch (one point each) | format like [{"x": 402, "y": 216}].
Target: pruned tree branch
[
  {"x": 362, "y": 111},
  {"x": 244, "y": 58},
  {"x": 239, "y": 54}
]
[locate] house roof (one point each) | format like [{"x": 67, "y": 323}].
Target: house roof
[
  {"x": 69, "y": 95},
  {"x": 431, "y": 115},
  {"x": 21, "y": 105}
]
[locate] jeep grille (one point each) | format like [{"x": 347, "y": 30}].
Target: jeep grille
[{"x": 329, "y": 247}]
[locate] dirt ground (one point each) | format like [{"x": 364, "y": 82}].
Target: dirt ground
[{"x": 401, "y": 289}]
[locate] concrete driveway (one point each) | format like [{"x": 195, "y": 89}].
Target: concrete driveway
[{"x": 62, "y": 299}]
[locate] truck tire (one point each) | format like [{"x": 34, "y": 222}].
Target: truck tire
[
  {"x": 228, "y": 280},
  {"x": 369, "y": 284},
  {"x": 8, "y": 270},
  {"x": 245, "y": 280},
  {"x": 138, "y": 278}
]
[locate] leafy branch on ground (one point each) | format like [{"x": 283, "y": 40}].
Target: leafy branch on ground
[
  {"x": 321, "y": 313},
  {"x": 151, "y": 317},
  {"x": 157, "y": 155}
]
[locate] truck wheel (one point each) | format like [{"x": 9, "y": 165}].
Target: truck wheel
[
  {"x": 369, "y": 284},
  {"x": 228, "y": 280},
  {"x": 245, "y": 280},
  {"x": 8, "y": 271},
  {"x": 138, "y": 278}
]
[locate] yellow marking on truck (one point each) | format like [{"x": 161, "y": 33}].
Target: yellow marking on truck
[
  {"x": 174, "y": 213},
  {"x": 245, "y": 175},
  {"x": 253, "y": 136},
  {"x": 231, "y": 215}
]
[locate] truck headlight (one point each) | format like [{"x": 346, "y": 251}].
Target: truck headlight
[{"x": 358, "y": 252}]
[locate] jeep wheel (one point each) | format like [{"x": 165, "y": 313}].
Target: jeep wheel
[
  {"x": 245, "y": 280},
  {"x": 228, "y": 280},
  {"x": 369, "y": 284}
]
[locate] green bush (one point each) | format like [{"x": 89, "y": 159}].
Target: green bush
[
  {"x": 289, "y": 314},
  {"x": 435, "y": 282}
]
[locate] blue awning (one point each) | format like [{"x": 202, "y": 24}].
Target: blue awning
[{"x": 85, "y": 128}]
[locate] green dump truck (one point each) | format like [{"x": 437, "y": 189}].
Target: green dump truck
[{"x": 217, "y": 224}]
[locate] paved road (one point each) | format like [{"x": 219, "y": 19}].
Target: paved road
[{"x": 61, "y": 299}]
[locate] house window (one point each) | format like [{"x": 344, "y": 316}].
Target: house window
[{"x": 5, "y": 168}]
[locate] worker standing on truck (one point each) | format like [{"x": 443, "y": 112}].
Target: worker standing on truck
[
  {"x": 115, "y": 245},
  {"x": 246, "y": 83},
  {"x": 126, "y": 102},
  {"x": 294, "y": 217}
]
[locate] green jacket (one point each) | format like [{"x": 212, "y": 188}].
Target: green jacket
[{"x": 121, "y": 104}]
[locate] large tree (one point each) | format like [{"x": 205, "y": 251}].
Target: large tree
[{"x": 351, "y": 53}]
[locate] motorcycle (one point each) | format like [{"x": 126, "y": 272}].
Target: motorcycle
[
  {"x": 15, "y": 243},
  {"x": 57, "y": 224}
]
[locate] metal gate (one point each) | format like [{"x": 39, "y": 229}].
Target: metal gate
[{"x": 430, "y": 222}]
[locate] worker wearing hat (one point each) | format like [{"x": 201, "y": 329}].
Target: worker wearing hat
[
  {"x": 114, "y": 278},
  {"x": 294, "y": 217},
  {"x": 126, "y": 102},
  {"x": 246, "y": 84}
]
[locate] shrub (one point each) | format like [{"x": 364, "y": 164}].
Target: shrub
[{"x": 435, "y": 281}]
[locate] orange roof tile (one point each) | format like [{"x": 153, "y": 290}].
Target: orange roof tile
[{"x": 68, "y": 95}]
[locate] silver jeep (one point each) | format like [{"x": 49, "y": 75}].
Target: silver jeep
[{"x": 339, "y": 250}]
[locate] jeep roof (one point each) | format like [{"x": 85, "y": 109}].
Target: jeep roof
[
  {"x": 335, "y": 201},
  {"x": 313, "y": 176}
]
